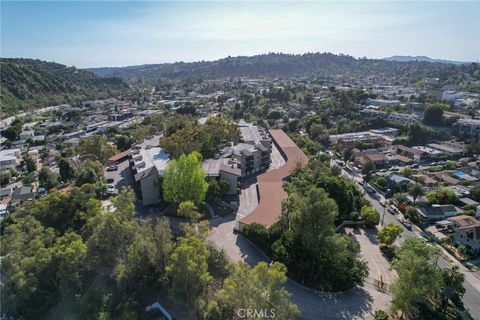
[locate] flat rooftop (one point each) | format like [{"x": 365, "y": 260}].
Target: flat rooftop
[
  {"x": 253, "y": 134},
  {"x": 270, "y": 184},
  {"x": 150, "y": 155},
  {"x": 443, "y": 147}
]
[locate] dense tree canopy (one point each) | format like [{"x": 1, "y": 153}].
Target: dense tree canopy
[
  {"x": 184, "y": 180},
  {"x": 388, "y": 234},
  {"x": 419, "y": 278},
  {"x": 370, "y": 216},
  {"x": 306, "y": 242},
  {"x": 257, "y": 288},
  {"x": 433, "y": 114},
  {"x": 442, "y": 195},
  {"x": 96, "y": 148},
  {"x": 185, "y": 136}
]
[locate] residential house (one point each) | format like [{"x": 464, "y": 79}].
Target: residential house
[
  {"x": 27, "y": 134},
  {"x": 426, "y": 180},
  {"x": 462, "y": 221},
  {"x": 397, "y": 182},
  {"x": 23, "y": 193},
  {"x": 444, "y": 177},
  {"x": 469, "y": 237},
  {"x": 438, "y": 212}
]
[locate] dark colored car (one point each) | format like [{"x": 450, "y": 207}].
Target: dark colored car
[{"x": 408, "y": 226}]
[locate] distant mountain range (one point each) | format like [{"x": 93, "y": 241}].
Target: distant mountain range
[
  {"x": 285, "y": 65},
  {"x": 421, "y": 58},
  {"x": 27, "y": 83}
]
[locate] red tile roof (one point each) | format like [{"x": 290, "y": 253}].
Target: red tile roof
[
  {"x": 270, "y": 184},
  {"x": 119, "y": 156}
]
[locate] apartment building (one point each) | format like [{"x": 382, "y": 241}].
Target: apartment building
[
  {"x": 468, "y": 127},
  {"x": 252, "y": 155},
  {"x": 9, "y": 159},
  {"x": 412, "y": 153},
  {"x": 392, "y": 116},
  {"x": 350, "y": 139},
  {"x": 251, "y": 134},
  {"x": 250, "y": 159},
  {"x": 450, "y": 148},
  {"x": 148, "y": 162},
  {"x": 225, "y": 169}
]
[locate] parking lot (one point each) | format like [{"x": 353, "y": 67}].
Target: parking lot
[{"x": 122, "y": 177}]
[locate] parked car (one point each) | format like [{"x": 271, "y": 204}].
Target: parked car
[
  {"x": 408, "y": 225},
  {"x": 112, "y": 167},
  {"x": 393, "y": 210},
  {"x": 111, "y": 190},
  {"x": 42, "y": 192}
]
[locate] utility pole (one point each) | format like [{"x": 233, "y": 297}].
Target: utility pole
[{"x": 385, "y": 205}]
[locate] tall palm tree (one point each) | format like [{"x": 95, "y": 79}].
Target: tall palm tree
[
  {"x": 415, "y": 190},
  {"x": 452, "y": 286}
]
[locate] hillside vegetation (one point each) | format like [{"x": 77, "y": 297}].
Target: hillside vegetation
[
  {"x": 27, "y": 83},
  {"x": 305, "y": 65}
]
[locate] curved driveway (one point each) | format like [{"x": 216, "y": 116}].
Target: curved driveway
[{"x": 358, "y": 303}]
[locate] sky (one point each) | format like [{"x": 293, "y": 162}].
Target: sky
[{"x": 109, "y": 33}]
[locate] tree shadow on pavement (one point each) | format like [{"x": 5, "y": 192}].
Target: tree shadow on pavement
[
  {"x": 249, "y": 252},
  {"x": 354, "y": 304},
  {"x": 371, "y": 234},
  {"x": 215, "y": 222}
]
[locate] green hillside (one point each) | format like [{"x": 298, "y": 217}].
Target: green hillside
[
  {"x": 28, "y": 83},
  {"x": 302, "y": 65}
]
